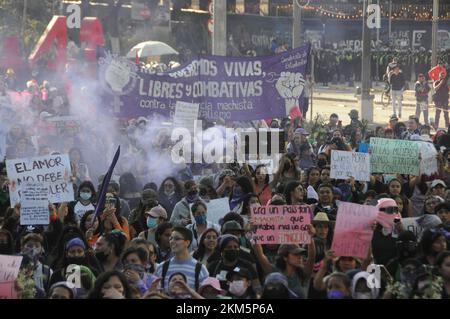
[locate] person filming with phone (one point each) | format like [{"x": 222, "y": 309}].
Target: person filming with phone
[{"x": 111, "y": 219}]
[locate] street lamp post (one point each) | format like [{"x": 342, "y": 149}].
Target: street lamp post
[
  {"x": 296, "y": 24},
  {"x": 219, "y": 36},
  {"x": 434, "y": 33},
  {"x": 366, "y": 97}
]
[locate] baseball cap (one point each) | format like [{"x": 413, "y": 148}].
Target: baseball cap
[
  {"x": 241, "y": 271},
  {"x": 294, "y": 249},
  {"x": 277, "y": 277},
  {"x": 437, "y": 182},
  {"x": 393, "y": 118},
  {"x": 157, "y": 211},
  {"x": 211, "y": 282},
  {"x": 231, "y": 225},
  {"x": 301, "y": 131}
]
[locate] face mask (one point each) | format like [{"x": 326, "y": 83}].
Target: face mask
[
  {"x": 192, "y": 197},
  {"x": 34, "y": 253},
  {"x": 201, "y": 219},
  {"x": 170, "y": 193},
  {"x": 151, "y": 222},
  {"x": 85, "y": 195},
  {"x": 192, "y": 193},
  {"x": 76, "y": 260},
  {"x": 321, "y": 163},
  {"x": 231, "y": 255},
  {"x": 363, "y": 295},
  {"x": 101, "y": 256},
  {"x": 335, "y": 294},
  {"x": 5, "y": 249},
  {"x": 238, "y": 288}
]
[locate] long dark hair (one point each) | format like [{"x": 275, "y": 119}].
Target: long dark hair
[
  {"x": 128, "y": 184},
  {"x": 288, "y": 189},
  {"x": 266, "y": 180},
  {"x": 96, "y": 292},
  {"x": 58, "y": 252},
  {"x": 10, "y": 241},
  {"x": 160, "y": 229},
  {"x": 246, "y": 205},
  {"x": 117, "y": 240},
  {"x": 178, "y": 188},
  {"x": 309, "y": 171},
  {"x": 245, "y": 184},
  {"x": 83, "y": 221},
  {"x": 201, "y": 250},
  {"x": 429, "y": 236},
  {"x": 280, "y": 263}
]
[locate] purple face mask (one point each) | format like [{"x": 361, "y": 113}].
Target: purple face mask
[{"x": 335, "y": 294}]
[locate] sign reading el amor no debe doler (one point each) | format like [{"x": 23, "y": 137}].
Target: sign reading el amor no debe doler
[
  {"x": 230, "y": 88},
  {"x": 52, "y": 170}
]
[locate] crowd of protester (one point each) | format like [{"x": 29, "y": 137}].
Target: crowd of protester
[{"x": 153, "y": 238}]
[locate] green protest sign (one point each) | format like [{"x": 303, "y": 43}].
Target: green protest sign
[{"x": 394, "y": 156}]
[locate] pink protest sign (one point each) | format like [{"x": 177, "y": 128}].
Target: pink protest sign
[
  {"x": 281, "y": 224},
  {"x": 7, "y": 290},
  {"x": 353, "y": 231},
  {"x": 9, "y": 267}
]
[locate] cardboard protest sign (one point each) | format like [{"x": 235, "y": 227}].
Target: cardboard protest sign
[
  {"x": 60, "y": 124},
  {"x": 350, "y": 164},
  {"x": 186, "y": 115},
  {"x": 428, "y": 161},
  {"x": 353, "y": 231},
  {"x": 34, "y": 204},
  {"x": 9, "y": 267},
  {"x": 394, "y": 156},
  {"x": 9, "y": 270},
  {"x": 53, "y": 170},
  {"x": 7, "y": 290},
  {"x": 217, "y": 208},
  {"x": 281, "y": 224}
]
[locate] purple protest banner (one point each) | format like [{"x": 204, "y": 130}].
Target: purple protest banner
[{"x": 230, "y": 88}]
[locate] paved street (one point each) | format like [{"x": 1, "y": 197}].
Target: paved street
[{"x": 340, "y": 100}]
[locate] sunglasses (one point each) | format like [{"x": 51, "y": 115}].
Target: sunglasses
[{"x": 389, "y": 210}]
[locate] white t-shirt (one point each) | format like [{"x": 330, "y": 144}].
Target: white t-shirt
[{"x": 80, "y": 209}]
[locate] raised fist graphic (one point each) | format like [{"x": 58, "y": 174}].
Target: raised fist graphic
[{"x": 290, "y": 87}]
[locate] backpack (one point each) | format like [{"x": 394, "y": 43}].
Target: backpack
[{"x": 198, "y": 268}]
